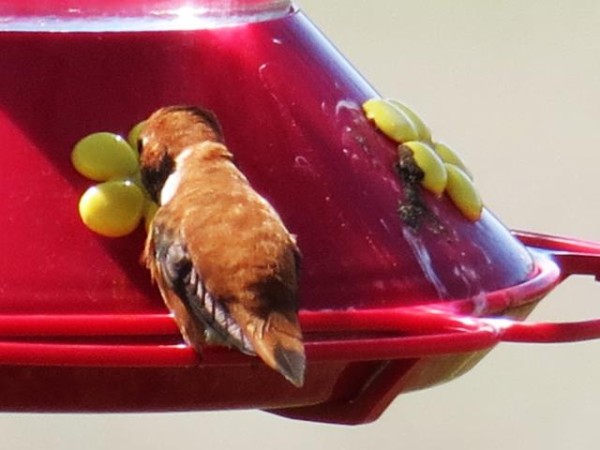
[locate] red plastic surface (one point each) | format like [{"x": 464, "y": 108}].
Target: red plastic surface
[
  {"x": 384, "y": 309},
  {"x": 290, "y": 109}
]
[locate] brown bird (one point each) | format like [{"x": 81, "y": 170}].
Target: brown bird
[{"x": 224, "y": 262}]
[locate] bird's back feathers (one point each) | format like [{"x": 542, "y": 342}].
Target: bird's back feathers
[{"x": 225, "y": 263}]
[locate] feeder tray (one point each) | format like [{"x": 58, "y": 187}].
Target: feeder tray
[{"x": 386, "y": 308}]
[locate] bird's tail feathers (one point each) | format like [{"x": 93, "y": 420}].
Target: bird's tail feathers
[{"x": 278, "y": 342}]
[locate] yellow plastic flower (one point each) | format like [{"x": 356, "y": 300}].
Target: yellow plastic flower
[
  {"x": 444, "y": 171},
  {"x": 115, "y": 207}
]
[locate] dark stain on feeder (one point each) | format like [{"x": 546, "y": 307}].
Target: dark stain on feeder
[{"x": 411, "y": 208}]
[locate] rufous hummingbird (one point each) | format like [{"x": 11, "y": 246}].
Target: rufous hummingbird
[{"x": 225, "y": 264}]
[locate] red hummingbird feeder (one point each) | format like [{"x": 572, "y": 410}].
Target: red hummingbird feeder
[{"x": 384, "y": 309}]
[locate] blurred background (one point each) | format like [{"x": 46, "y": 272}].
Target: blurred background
[{"x": 515, "y": 86}]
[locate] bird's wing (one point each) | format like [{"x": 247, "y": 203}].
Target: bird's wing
[
  {"x": 272, "y": 333},
  {"x": 200, "y": 317}
]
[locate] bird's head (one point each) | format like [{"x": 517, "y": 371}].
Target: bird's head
[{"x": 165, "y": 134}]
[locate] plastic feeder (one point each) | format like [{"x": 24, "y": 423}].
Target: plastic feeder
[{"x": 384, "y": 309}]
